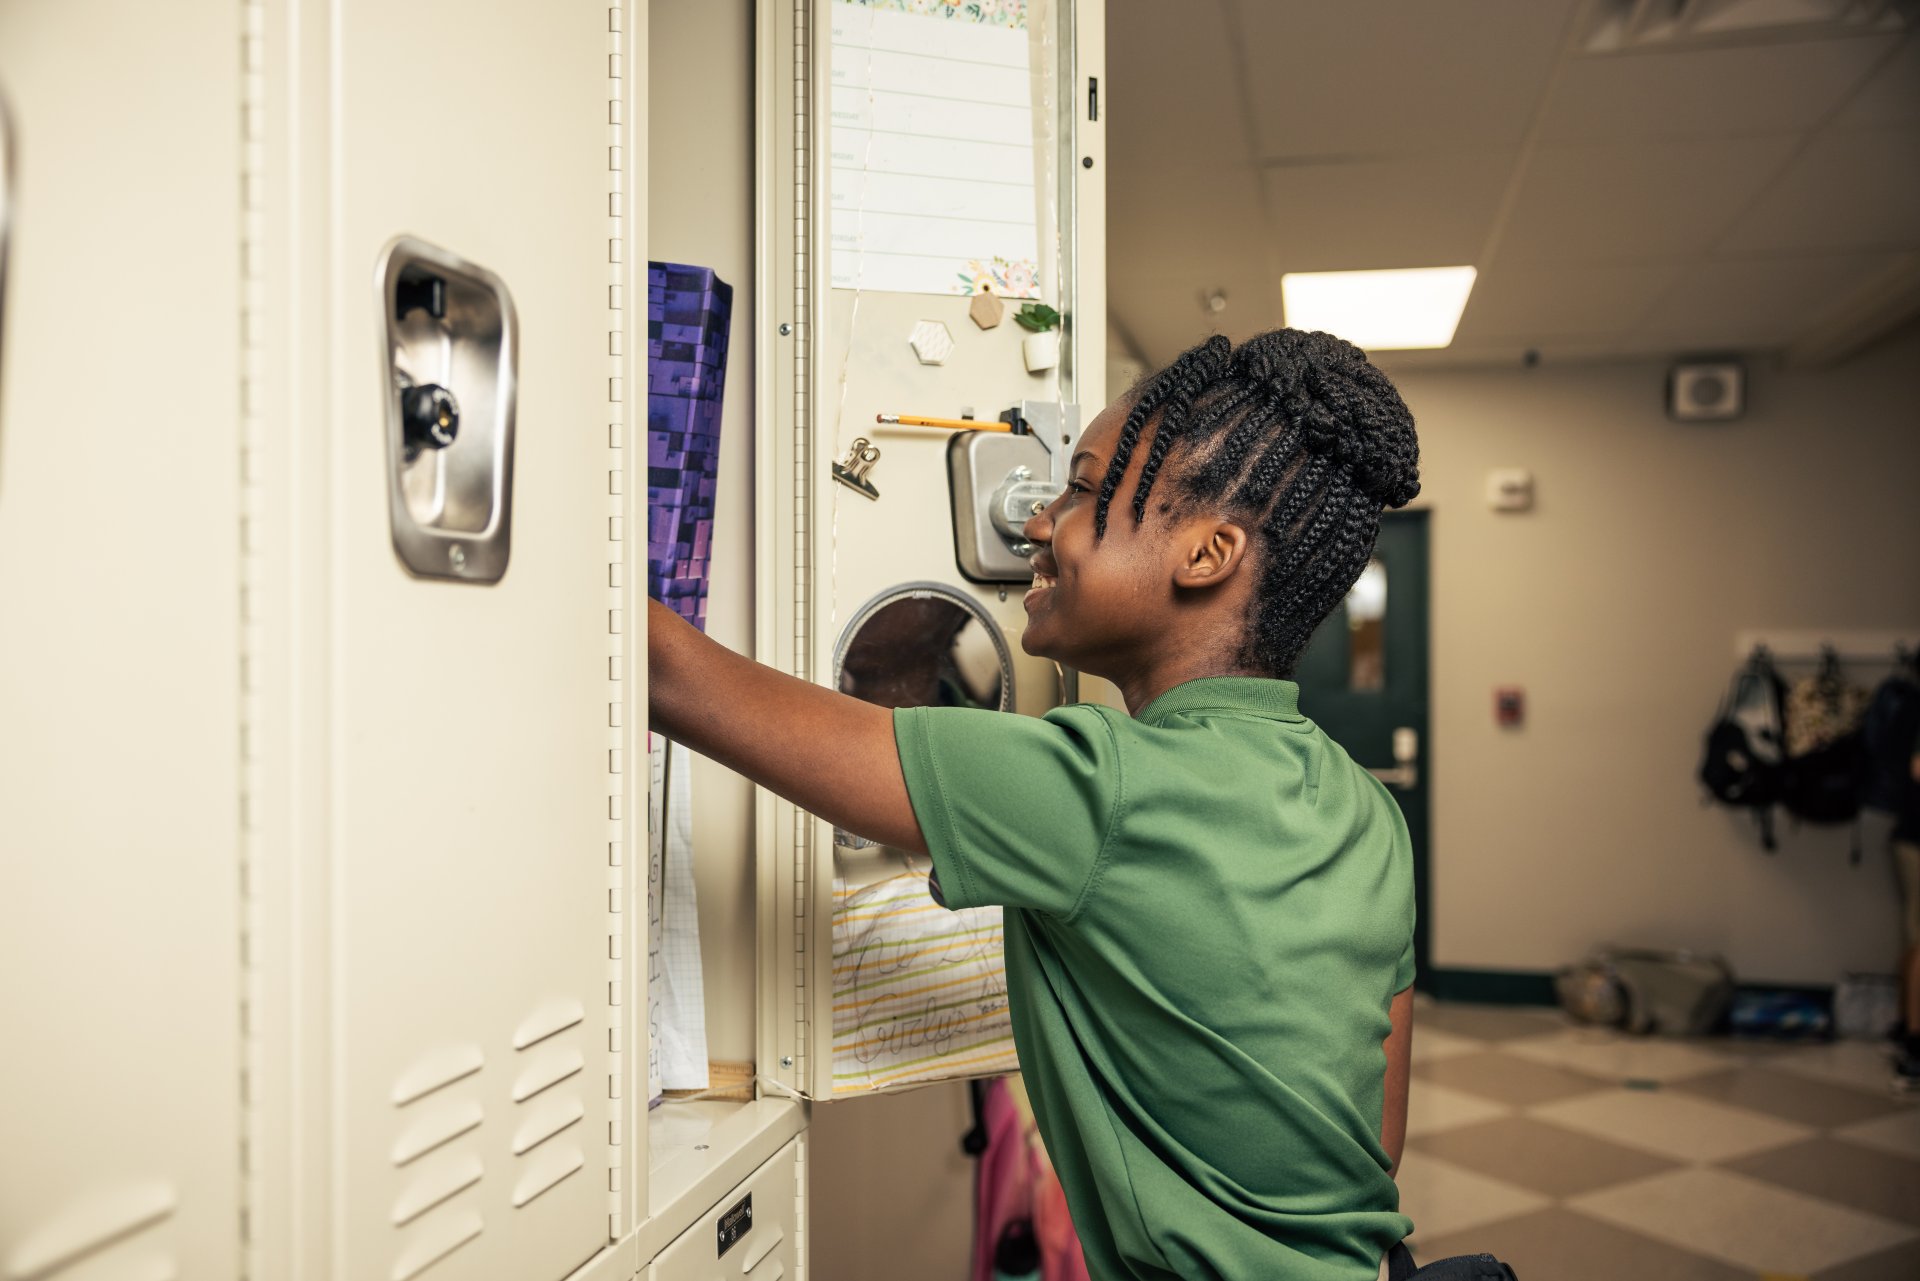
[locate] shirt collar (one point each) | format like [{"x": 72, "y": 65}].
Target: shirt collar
[{"x": 1257, "y": 695}]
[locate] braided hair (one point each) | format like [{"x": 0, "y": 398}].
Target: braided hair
[{"x": 1297, "y": 437}]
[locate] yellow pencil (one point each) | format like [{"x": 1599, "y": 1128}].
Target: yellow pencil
[{"x": 944, "y": 424}]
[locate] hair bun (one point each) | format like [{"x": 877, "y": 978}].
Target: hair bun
[{"x": 1344, "y": 408}]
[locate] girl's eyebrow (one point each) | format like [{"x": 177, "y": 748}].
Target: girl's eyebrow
[{"x": 1085, "y": 455}]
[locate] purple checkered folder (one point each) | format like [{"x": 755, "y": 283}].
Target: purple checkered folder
[{"x": 689, "y": 310}]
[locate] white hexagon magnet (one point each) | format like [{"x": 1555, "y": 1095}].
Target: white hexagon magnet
[{"x": 931, "y": 342}]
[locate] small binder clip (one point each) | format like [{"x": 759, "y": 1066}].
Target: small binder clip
[{"x": 853, "y": 472}]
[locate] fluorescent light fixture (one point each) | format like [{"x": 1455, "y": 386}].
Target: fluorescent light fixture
[{"x": 1379, "y": 310}]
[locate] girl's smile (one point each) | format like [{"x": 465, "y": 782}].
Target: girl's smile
[{"x": 1043, "y": 581}]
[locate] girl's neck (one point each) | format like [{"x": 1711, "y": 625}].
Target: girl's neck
[{"x": 1141, "y": 687}]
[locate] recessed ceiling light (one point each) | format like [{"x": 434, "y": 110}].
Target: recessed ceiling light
[{"x": 1379, "y": 310}]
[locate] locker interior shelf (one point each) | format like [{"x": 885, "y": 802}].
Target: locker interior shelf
[{"x": 697, "y": 1151}]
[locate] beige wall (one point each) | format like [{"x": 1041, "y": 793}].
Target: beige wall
[
  {"x": 1615, "y": 604},
  {"x": 700, "y": 211},
  {"x": 892, "y": 1191}
]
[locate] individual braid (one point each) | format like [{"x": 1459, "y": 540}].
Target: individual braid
[
  {"x": 1181, "y": 407},
  {"x": 1170, "y": 392},
  {"x": 1294, "y": 434}
]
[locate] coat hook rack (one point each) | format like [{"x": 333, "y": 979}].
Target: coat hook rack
[{"x": 1805, "y": 646}]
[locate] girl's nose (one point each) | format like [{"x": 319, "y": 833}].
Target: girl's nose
[{"x": 1039, "y": 526}]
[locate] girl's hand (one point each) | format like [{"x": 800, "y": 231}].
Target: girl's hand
[{"x": 832, "y": 755}]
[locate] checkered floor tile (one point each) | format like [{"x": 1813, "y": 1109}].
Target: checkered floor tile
[{"x": 1585, "y": 1155}]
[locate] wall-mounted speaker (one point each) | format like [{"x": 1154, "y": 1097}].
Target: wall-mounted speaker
[{"x": 1706, "y": 391}]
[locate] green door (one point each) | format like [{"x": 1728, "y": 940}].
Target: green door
[{"x": 1363, "y": 679}]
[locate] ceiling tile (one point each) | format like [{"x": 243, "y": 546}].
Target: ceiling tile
[
  {"x": 1644, "y": 346},
  {"x": 1759, "y": 302},
  {"x": 1848, "y": 189},
  {"x": 1495, "y": 354},
  {"x": 1168, "y": 93},
  {"x": 1425, "y": 211},
  {"x": 1396, "y": 128},
  {"x": 1372, "y": 77},
  {"x": 1201, "y": 223},
  {"x": 1165, "y": 316},
  {"x": 1641, "y": 200},
  {"x": 1892, "y": 97},
  {"x": 1531, "y": 303},
  {"x": 1749, "y": 89}
]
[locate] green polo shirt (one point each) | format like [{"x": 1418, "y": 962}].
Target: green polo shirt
[{"x": 1210, "y": 907}]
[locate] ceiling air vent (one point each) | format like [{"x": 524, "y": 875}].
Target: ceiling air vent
[{"x": 1621, "y": 26}]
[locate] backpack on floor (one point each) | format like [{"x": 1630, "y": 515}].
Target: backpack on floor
[
  {"x": 1741, "y": 765},
  {"x": 1646, "y": 991}
]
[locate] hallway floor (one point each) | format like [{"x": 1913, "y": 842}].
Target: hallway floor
[{"x": 1578, "y": 1154}]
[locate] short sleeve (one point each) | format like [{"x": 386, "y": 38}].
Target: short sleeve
[
  {"x": 1403, "y": 974},
  {"x": 1016, "y": 810}
]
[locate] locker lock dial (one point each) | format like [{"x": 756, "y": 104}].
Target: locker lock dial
[{"x": 429, "y": 416}]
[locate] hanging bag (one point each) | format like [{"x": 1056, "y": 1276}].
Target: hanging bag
[
  {"x": 1888, "y": 736},
  {"x": 1826, "y": 759},
  {"x": 1741, "y": 765}
]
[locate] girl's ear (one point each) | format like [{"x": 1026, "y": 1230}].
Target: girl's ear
[{"x": 1216, "y": 551}]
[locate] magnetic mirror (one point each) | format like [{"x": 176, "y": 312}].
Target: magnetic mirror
[{"x": 922, "y": 645}]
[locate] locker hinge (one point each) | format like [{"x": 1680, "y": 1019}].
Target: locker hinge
[
  {"x": 802, "y": 1238},
  {"x": 803, "y": 428},
  {"x": 253, "y": 441},
  {"x": 620, "y": 958}
]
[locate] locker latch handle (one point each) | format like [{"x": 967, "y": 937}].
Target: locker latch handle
[{"x": 450, "y": 340}]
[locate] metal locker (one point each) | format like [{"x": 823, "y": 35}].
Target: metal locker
[
  {"x": 120, "y": 838},
  {"x": 471, "y": 676}
]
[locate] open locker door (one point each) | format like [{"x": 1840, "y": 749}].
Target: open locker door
[{"x": 832, "y": 359}]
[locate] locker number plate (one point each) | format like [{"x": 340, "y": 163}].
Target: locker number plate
[{"x": 736, "y": 1223}]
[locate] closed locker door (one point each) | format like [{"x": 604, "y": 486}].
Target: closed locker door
[
  {"x": 119, "y": 635},
  {"x": 471, "y": 732},
  {"x": 755, "y": 1232}
]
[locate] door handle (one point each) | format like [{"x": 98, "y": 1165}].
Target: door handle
[
  {"x": 449, "y": 343},
  {"x": 1405, "y": 772}
]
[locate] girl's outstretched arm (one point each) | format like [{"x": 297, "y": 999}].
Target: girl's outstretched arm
[{"x": 830, "y": 754}]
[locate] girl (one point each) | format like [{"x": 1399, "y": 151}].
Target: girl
[{"x": 1209, "y": 906}]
